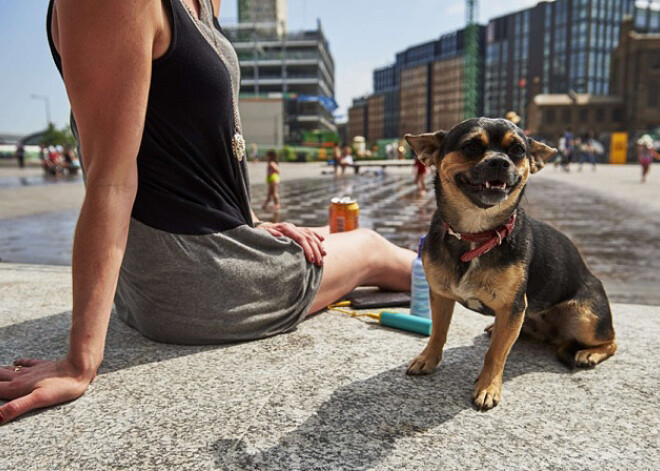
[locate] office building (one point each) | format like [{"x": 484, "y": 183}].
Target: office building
[
  {"x": 559, "y": 49},
  {"x": 647, "y": 17},
  {"x": 636, "y": 73},
  {"x": 549, "y": 115},
  {"x": 268, "y": 14},
  {"x": 357, "y": 119},
  {"x": 633, "y": 105},
  {"x": 386, "y": 85},
  {"x": 420, "y": 92},
  {"x": 295, "y": 68},
  {"x": 555, "y": 47}
]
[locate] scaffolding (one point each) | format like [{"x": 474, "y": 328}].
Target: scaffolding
[
  {"x": 471, "y": 62},
  {"x": 243, "y": 11}
]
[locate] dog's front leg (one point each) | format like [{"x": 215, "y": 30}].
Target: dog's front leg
[
  {"x": 506, "y": 329},
  {"x": 441, "y": 311}
]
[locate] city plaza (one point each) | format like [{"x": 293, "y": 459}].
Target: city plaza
[{"x": 333, "y": 394}]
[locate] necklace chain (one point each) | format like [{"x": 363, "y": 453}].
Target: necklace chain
[{"x": 237, "y": 141}]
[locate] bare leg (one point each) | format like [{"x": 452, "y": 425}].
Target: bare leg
[
  {"x": 276, "y": 195},
  {"x": 361, "y": 257},
  {"x": 270, "y": 195}
]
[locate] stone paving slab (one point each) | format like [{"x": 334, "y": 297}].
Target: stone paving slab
[
  {"x": 330, "y": 396},
  {"x": 612, "y": 182}
]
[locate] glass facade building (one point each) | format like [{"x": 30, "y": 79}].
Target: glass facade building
[
  {"x": 423, "y": 89},
  {"x": 386, "y": 83},
  {"x": 295, "y": 66},
  {"x": 556, "y": 47}
]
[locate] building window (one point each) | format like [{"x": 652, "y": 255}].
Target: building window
[
  {"x": 655, "y": 60},
  {"x": 616, "y": 115},
  {"x": 652, "y": 94},
  {"x": 600, "y": 115},
  {"x": 584, "y": 114},
  {"x": 550, "y": 116},
  {"x": 566, "y": 115}
]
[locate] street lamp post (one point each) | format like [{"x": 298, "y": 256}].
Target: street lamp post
[{"x": 47, "y": 102}]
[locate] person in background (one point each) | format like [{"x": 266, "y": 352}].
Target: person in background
[
  {"x": 52, "y": 164},
  {"x": 272, "y": 179},
  {"x": 401, "y": 150},
  {"x": 513, "y": 117},
  {"x": 646, "y": 154},
  {"x": 254, "y": 152},
  {"x": 561, "y": 154},
  {"x": 20, "y": 155},
  {"x": 70, "y": 161},
  {"x": 569, "y": 145},
  {"x": 43, "y": 153},
  {"x": 346, "y": 159},
  {"x": 587, "y": 151},
  {"x": 336, "y": 157},
  {"x": 420, "y": 175}
]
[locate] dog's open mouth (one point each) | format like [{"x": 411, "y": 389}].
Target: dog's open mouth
[{"x": 495, "y": 186}]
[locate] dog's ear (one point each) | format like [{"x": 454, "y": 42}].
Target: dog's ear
[
  {"x": 540, "y": 154},
  {"x": 427, "y": 146}
]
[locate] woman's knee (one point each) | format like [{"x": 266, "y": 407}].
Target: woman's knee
[{"x": 374, "y": 246}]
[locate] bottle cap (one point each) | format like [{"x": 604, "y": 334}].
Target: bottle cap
[{"x": 421, "y": 244}]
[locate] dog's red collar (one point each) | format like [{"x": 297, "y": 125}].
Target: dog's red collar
[{"x": 488, "y": 239}]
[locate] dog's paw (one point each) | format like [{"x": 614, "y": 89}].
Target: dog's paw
[
  {"x": 588, "y": 358},
  {"x": 486, "y": 397},
  {"x": 424, "y": 364}
]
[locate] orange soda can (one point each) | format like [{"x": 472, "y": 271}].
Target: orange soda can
[{"x": 344, "y": 214}]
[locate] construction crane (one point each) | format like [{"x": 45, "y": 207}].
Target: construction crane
[{"x": 471, "y": 62}]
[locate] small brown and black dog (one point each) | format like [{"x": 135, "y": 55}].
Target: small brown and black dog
[{"x": 485, "y": 253}]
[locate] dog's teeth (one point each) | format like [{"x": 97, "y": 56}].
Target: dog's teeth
[
  {"x": 504, "y": 186},
  {"x": 487, "y": 184}
]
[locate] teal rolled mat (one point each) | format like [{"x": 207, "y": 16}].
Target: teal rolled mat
[{"x": 398, "y": 320}]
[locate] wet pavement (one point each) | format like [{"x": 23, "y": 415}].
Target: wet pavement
[
  {"x": 36, "y": 180},
  {"x": 621, "y": 244}
]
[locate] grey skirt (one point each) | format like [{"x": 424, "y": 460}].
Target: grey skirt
[{"x": 240, "y": 284}]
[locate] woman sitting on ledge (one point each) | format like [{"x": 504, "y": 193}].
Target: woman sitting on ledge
[{"x": 166, "y": 229}]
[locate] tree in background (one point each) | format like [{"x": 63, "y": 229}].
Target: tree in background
[{"x": 54, "y": 137}]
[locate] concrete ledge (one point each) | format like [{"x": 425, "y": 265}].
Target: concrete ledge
[{"x": 331, "y": 395}]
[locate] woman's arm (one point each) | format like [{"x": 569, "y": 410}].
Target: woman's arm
[{"x": 106, "y": 49}]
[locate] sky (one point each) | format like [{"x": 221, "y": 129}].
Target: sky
[{"x": 363, "y": 35}]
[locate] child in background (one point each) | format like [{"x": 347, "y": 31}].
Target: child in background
[
  {"x": 272, "y": 179},
  {"x": 420, "y": 176},
  {"x": 646, "y": 153}
]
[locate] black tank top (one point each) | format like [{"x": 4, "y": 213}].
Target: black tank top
[{"x": 189, "y": 181}]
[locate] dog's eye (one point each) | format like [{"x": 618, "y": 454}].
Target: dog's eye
[
  {"x": 471, "y": 149},
  {"x": 517, "y": 150}
]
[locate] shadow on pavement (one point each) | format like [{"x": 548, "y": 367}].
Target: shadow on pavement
[
  {"x": 47, "y": 338},
  {"x": 360, "y": 424}
]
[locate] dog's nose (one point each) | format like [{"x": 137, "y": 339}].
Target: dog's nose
[{"x": 499, "y": 163}]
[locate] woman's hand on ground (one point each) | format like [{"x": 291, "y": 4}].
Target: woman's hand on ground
[
  {"x": 33, "y": 384},
  {"x": 310, "y": 241}
]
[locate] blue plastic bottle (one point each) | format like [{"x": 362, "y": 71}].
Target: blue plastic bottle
[{"x": 419, "y": 290}]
